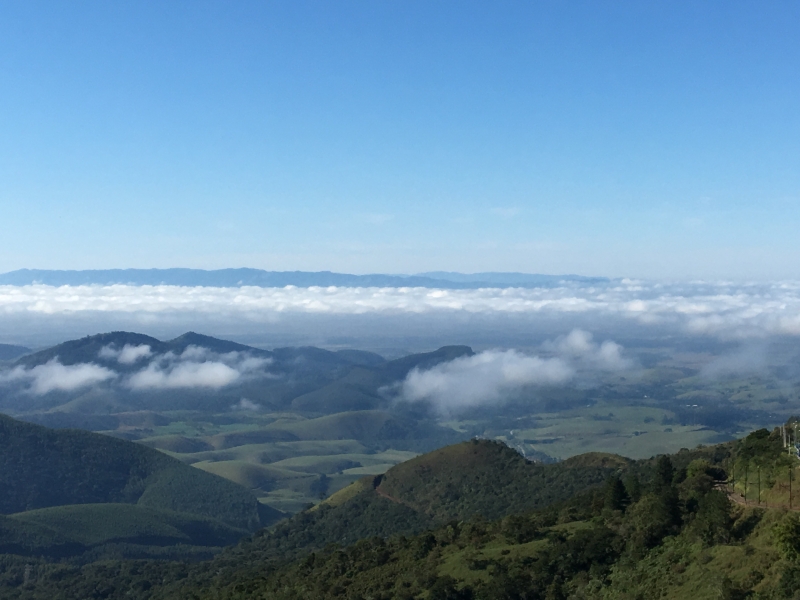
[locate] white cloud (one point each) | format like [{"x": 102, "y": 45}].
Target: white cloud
[
  {"x": 490, "y": 377},
  {"x": 481, "y": 379},
  {"x": 184, "y": 375},
  {"x": 579, "y": 345},
  {"x": 195, "y": 367},
  {"x": 576, "y": 343},
  {"x": 53, "y": 376},
  {"x": 195, "y": 353},
  {"x": 128, "y": 355},
  {"x": 718, "y": 309}
]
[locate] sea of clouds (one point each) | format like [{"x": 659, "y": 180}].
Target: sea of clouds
[
  {"x": 749, "y": 314},
  {"x": 723, "y": 310}
]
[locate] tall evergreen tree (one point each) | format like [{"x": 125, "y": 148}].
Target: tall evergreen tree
[
  {"x": 616, "y": 496},
  {"x": 634, "y": 488}
]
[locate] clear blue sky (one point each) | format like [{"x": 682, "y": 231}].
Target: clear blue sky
[{"x": 648, "y": 139}]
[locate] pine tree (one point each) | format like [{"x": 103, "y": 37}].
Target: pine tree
[
  {"x": 616, "y": 496},
  {"x": 664, "y": 474}
]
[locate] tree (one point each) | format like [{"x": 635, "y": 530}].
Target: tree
[
  {"x": 634, "y": 488},
  {"x": 616, "y": 497},
  {"x": 664, "y": 474}
]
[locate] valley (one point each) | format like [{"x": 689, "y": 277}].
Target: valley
[
  {"x": 295, "y": 425},
  {"x": 199, "y": 467}
]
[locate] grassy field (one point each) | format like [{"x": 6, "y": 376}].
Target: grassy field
[{"x": 632, "y": 431}]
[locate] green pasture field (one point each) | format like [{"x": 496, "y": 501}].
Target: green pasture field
[
  {"x": 631, "y": 431},
  {"x": 283, "y": 473},
  {"x": 331, "y": 463}
]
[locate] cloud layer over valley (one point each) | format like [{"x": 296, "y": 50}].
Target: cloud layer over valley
[{"x": 717, "y": 309}]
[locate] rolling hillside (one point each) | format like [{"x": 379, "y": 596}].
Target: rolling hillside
[
  {"x": 475, "y": 521},
  {"x": 462, "y": 481},
  {"x": 93, "y": 530},
  {"x": 41, "y": 468}
]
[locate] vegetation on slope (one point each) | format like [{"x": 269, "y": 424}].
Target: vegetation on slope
[
  {"x": 41, "y": 468},
  {"x": 659, "y": 528},
  {"x": 585, "y": 547},
  {"x": 85, "y": 531}
]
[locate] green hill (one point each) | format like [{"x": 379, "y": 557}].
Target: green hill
[
  {"x": 713, "y": 523},
  {"x": 71, "y": 530},
  {"x": 475, "y": 521},
  {"x": 87, "y": 349},
  {"x": 361, "y": 357},
  {"x": 487, "y": 478},
  {"x": 336, "y": 397},
  {"x": 462, "y": 481},
  {"x": 249, "y": 475},
  {"x": 180, "y": 343},
  {"x": 397, "y": 369},
  {"x": 378, "y": 428},
  {"x": 42, "y": 468}
]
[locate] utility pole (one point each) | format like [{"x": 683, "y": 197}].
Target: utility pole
[{"x": 790, "y": 487}]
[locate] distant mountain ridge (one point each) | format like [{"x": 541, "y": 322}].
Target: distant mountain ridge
[
  {"x": 260, "y": 278},
  {"x": 10, "y": 351},
  {"x": 87, "y": 349}
]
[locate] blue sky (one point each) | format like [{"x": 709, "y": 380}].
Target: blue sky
[{"x": 619, "y": 138}]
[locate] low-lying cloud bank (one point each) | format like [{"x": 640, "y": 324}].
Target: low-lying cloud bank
[
  {"x": 719, "y": 309},
  {"x": 492, "y": 376},
  {"x": 128, "y": 355},
  {"x": 53, "y": 376},
  {"x": 195, "y": 367}
]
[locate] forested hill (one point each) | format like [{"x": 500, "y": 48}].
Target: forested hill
[
  {"x": 670, "y": 527},
  {"x": 477, "y": 477},
  {"x": 577, "y": 529},
  {"x": 41, "y": 467},
  {"x": 88, "y": 349}
]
